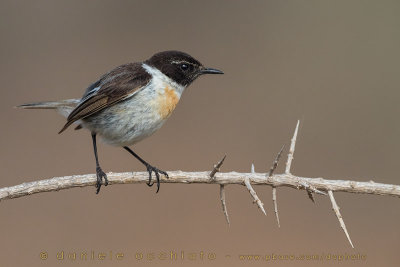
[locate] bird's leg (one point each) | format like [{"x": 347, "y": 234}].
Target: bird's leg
[
  {"x": 150, "y": 169},
  {"x": 99, "y": 172}
]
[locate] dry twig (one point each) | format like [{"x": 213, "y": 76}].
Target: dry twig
[
  {"x": 224, "y": 178},
  {"x": 311, "y": 185}
]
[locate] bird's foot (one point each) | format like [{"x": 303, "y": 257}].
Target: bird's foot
[
  {"x": 100, "y": 175},
  {"x": 157, "y": 172}
]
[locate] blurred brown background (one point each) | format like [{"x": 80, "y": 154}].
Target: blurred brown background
[{"x": 332, "y": 64}]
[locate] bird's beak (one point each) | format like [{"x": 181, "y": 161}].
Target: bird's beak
[{"x": 210, "y": 71}]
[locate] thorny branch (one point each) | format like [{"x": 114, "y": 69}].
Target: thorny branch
[{"x": 310, "y": 185}]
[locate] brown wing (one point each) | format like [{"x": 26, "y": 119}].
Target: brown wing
[{"x": 115, "y": 86}]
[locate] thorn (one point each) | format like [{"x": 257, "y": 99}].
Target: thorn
[
  {"x": 275, "y": 163},
  {"x": 336, "y": 208},
  {"x": 254, "y": 195},
  {"x": 310, "y": 195},
  {"x": 217, "y": 167},
  {"x": 291, "y": 150},
  {"x": 275, "y": 205},
  {"x": 271, "y": 172},
  {"x": 319, "y": 192},
  {"x": 223, "y": 202}
]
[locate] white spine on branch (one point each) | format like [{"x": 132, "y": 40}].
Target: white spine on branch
[
  {"x": 217, "y": 168},
  {"x": 275, "y": 205},
  {"x": 223, "y": 202},
  {"x": 336, "y": 208},
  {"x": 271, "y": 172},
  {"x": 254, "y": 195},
  {"x": 291, "y": 150}
]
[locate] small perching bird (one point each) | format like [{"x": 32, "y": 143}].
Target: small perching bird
[{"x": 130, "y": 103}]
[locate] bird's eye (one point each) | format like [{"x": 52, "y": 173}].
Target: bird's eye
[{"x": 184, "y": 66}]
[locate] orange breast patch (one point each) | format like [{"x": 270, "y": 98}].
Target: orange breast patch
[{"x": 167, "y": 102}]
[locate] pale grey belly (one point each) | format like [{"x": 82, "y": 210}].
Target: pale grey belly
[{"x": 126, "y": 122}]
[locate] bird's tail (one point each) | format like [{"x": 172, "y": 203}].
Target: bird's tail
[{"x": 64, "y": 107}]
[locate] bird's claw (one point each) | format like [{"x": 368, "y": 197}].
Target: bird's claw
[
  {"x": 100, "y": 175},
  {"x": 157, "y": 172}
]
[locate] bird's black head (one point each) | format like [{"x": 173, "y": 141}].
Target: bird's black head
[{"x": 179, "y": 66}]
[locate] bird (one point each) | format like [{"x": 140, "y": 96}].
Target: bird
[{"x": 130, "y": 103}]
